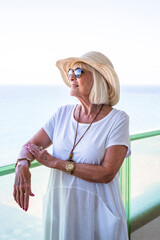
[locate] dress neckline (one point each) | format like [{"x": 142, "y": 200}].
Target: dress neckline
[{"x": 94, "y": 123}]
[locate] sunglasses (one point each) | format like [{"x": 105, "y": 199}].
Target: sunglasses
[{"x": 77, "y": 72}]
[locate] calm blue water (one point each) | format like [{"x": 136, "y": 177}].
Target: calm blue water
[{"x": 25, "y": 109}]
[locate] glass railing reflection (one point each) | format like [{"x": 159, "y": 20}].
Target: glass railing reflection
[
  {"x": 14, "y": 222},
  {"x": 145, "y": 181}
]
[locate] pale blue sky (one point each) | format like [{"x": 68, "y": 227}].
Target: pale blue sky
[{"x": 34, "y": 34}]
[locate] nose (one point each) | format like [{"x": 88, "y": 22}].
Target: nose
[{"x": 72, "y": 77}]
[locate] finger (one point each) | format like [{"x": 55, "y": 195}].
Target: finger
[
  {"x": 14, "y": 192},
  {"x": 26, "y": 198},
  {"x": 40, "y": 148},
  {"x": 43, "y": 156},
  {"x": 31, "y": 194},
  {"x": 15, "y": 189},
  {"x": 20, "y": 189},
  {"x": 22, "y": 196},
  {"x": 34, "y": 147},
  {"x": 29, "y": 150},
  {"x": 43, "y": 152},
  {"x": 18, "y": 196},
  {"x": 35, "y": 150},
  {"x": 34, "y": 154}
]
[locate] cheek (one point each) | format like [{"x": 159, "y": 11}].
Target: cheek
[
  {"x": 89, "y": 85},
  {"x": 86, "y": 85}
]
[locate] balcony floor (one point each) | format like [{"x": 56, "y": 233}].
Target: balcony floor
[{"x": 150, "y": 231}]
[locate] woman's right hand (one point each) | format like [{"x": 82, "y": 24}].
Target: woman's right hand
[{"x": 22, "y": 185}]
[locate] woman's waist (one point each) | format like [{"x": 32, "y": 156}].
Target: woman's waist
[
  {"x": 62, "y": 180},
  {"x": 80, "y": 191}
]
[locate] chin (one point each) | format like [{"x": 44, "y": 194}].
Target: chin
[{"x": 73, "y": 93}]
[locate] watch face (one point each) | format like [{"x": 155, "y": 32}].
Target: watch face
[{"x": 70, "y": 166}]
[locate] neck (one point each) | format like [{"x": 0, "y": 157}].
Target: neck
[{"x": 89, "y": 108}]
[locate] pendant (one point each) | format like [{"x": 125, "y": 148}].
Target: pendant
[
  {"x": 68, "y": 159},
  {"x": 70, "y": 156}
]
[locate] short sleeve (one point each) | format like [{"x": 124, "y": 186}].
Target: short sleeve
[
  {"x": 119, "y": 134},
  {"x": 49, "y": 126}
]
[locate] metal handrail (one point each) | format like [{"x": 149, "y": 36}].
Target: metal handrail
[
  {"x": 143, "y": 135},
  {"x": 8, "y": 169}
]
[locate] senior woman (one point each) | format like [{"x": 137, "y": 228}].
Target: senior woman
[{"x": 90, "y": 141}]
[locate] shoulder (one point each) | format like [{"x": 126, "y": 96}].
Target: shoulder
[
  {"x": 119, "y": 114},
  {"x": 59, "y": 116},
  {"x": 64, "y": 110},
  {"x": 118, "y": 118}
]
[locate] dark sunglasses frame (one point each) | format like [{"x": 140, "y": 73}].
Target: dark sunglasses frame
[{"x": 77, "y": 72}]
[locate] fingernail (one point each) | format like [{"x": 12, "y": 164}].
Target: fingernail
[
  {"x": 25, "y": 209},
  {"x": 26, "y": 145}
]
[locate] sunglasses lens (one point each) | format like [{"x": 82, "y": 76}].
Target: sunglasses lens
[
  {"x": 70, "y": 72},
  {"x": 77, "y": 72}
]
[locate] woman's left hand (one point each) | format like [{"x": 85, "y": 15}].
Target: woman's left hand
[{"x": 41, "y": 155}]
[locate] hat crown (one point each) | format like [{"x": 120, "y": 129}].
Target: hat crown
[{"x": 97, "y": 57}]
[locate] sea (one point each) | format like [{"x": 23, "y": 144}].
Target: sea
[{"x": 24, "y": 109}]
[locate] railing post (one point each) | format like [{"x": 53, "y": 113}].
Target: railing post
[{"x": 125, "y": 188}]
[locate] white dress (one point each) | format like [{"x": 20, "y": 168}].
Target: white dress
[{"x": 75, "y": 209}]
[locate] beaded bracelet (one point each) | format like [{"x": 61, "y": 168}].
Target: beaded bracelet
[{"x": 20, "y": 159}]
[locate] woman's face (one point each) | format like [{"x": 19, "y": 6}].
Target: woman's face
[{"x": 81, "y": 86}]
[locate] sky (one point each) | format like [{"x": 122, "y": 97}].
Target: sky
[{"x": 34, "y": 34}]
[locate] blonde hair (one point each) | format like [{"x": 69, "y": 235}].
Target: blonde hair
[{"x": 99, "y": 92}]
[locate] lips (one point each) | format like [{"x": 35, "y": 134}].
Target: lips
[{"x": 74, "y": 85}]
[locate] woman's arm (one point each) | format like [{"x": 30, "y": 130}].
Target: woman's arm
[
  {"x": 39, "y": 139},
  {"x": 22, "y": 184},
  {"x": 103, "y": 173}
]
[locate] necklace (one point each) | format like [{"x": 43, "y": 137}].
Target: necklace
[{"x": 75, "y": 144}]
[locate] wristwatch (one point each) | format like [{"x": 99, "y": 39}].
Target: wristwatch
[{"x": 70, "y": 165}]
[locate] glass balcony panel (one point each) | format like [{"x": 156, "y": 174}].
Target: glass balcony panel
[
  {"x": 145, "y": 194},
  {"x": 16, "y": 224},
  {"x": 145, "y": 181}
]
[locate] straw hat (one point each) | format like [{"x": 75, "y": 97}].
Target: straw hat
[{"x": 99, "y": 62}]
